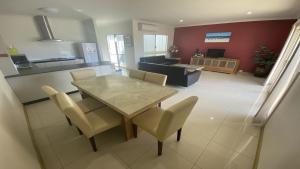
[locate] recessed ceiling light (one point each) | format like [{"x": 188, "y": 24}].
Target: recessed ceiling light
[
  {"x": 181, "y": 20},
  {"x": 79, "y": 10},
  {"x": 249, "y": 13},
  {"x": 49, "y": 10},
  {"x": 211, "y": 118}
]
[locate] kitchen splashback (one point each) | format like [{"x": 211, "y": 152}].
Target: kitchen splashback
[{"x": 45, "y": 50}]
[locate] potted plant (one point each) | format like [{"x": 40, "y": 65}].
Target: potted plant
[
  {"x": 173, "y": 50},
  {"x": 264, "y": 61}
]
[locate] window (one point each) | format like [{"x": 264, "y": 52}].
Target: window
[
  {"x": 116, "y": 49},
  {"x": 155, "y": 45}
]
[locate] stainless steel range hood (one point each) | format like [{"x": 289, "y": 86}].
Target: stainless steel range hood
[{"x": 45, "y": 29}]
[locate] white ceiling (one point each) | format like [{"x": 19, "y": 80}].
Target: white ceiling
[{"x": 193, "y": 12}]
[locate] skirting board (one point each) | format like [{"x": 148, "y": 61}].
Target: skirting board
[{"x": 258, "y": 150}]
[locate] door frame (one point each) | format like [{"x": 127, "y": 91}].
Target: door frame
[{"x": 287, "y": 54}]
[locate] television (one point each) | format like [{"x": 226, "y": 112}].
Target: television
[{"x": 215, "y": 53}]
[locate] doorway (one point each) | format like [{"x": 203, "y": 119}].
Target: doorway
[{"x": 116, "y": 49}]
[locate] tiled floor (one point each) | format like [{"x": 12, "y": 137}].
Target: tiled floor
[{"x": 218, "y": 134}]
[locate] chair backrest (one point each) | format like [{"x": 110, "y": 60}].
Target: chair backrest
[
  {"x": 137, "y": 74},
  {"x": 174, "y": 117},
  {"x": 83, "y": 74},
  {"x": 51, "y": 92},
  {"x": 156, "y": 78},
  {"x": 73, "y": 111}
]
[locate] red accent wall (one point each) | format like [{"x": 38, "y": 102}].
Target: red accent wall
[{"x": 245, "y": 39}]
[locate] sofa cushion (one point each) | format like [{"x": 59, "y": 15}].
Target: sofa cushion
[
  {"x": 153, "y": 59},
  {"x": 176, "y": 75}
]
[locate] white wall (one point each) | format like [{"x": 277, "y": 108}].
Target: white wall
[
  {"x": 280, "y": 146},
  {"x": 16, "y": 145},
  {"x": 21, "y": 31},
  {"x": 123, "y": 28},
  {"x": 3, "y": 46},
  {"x": 138, "y": 36}
]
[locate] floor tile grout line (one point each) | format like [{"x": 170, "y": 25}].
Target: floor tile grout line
[
  {"x": 119, "y": 158},
  {"x": 210, "y": 140},
  {"x": 238, "y": 138},
  {"x": 205, "y": 148},
  {"x": 52, "y": 148},
  {"x": 43, "y": 127},
  {"x": 149, "y": 149}
]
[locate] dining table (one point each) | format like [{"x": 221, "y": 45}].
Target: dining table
[{"x": 127, "y": 96}]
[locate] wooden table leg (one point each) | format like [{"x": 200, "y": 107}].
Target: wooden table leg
[{"x": 128, "y": 128}]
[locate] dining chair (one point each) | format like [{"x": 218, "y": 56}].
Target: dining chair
[
  {"x": 137, "y": 74},
  {"x": 86, "y": 105},
  {"x": 163, "y": 123},
  {"x": 82, "y": 75},
  {"x": 91, "y": 124},
  {"x": 156, "y": 78}
]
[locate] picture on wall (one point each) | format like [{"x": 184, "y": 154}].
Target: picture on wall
[{"x": 217, "y": 37}]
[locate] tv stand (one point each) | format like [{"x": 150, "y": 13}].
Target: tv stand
[{"x": 223, "y": 65}]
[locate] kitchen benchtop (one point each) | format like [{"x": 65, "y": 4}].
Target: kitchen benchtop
[
  {"x": 36, "y": 70},
  {"x": 54, "y": 60}
]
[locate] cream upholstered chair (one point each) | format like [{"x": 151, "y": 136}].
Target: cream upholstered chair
[
  {"x": 82, "y": 75},
  {"x": 163, "y": 123},
  {"x": 156, "y": 78},
  {"x": 90, "y": 124},
  {"x": 137, "y": 74},
  {"x": 86, "y": 105}
]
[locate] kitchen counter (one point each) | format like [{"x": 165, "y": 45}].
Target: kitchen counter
[
  {"x": 27, "y": 84},
  {"x": 36, "y": 70},
  {"x": 53, "y": 60}
]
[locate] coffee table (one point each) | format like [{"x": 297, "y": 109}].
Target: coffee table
[{"x": 189, "y": 68}]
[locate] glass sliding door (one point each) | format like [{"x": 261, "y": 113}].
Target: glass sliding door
[
  {"x": 149, "y": 45},
  {"x": 161, "y": 43},
  {"x": 116, "y": 49}
]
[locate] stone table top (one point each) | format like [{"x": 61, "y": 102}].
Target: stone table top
[{"x": 126, "y": 95}]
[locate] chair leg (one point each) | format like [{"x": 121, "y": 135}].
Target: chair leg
[
  {"x": 160, "y": 147},
  {"x": 83, "y": 95},
  {"x": 93, "y": 143},
  {"x": 69, "y": 121},
  {"x": 178, "y": 134},
  {"x": 159, "y": 104},
  {"x": 135, "y": 127},
  {"x": 79, "y": 131}
]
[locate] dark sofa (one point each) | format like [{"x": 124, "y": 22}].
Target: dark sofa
[{"x": 176, "y": 75}]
